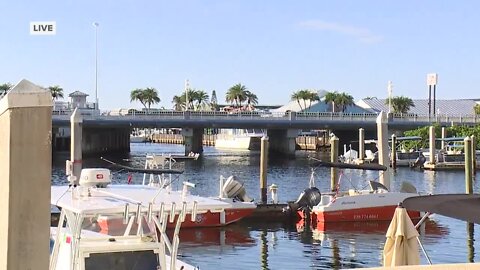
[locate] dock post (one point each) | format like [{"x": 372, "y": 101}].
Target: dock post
[
  {"x": 333, "y": 158},
  {"x": 468, "y": 165},
  {"x": 393, "y": 154},
  {"x": 76, "y": 131},
  {"x": 382, "y": 137},
  {"x": 263, "y": 168},
  {"x": 361, "y": 144},
  {"x": 25, "y": 173},
  {"x": 474, "y": 155},
  {"x": 431, "y": 140},
  {"x": 444, "y": 135}
]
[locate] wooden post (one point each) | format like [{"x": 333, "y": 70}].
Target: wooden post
[
  {"x": 382, "y": 137},
  {"x": 333, "y": 158},
  {"x": 474, "y": 155},
  {"x": 25, "y": 173},
  {"x": 393, "y": 154},
  {"x": 76, "y": 134},
  {"x": 263, "y": 168},
  {"x": 468, "y": 165},
  {"x": 432, "y": 144},
  {"x": 444, "y": 135},
  {"x": 361, "y": 144}
]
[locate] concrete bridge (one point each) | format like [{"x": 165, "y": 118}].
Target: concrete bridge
[{"x": 111, "y": 131}]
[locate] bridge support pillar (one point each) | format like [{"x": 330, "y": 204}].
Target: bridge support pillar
[
  {"x": 283, "y": 140},
  {"x": 193, "y": 138}
]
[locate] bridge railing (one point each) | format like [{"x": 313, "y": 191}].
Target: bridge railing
[{"x": 269, "y": 116}]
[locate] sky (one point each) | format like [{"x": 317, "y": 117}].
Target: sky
[{"x": 273, "y": 47}]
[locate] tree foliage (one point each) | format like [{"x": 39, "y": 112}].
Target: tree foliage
[
  {"x": 146, "y": 97},
  {"x": 339, "y": 101},
  {"x": 455, "y": 131},
  {"x": 305, "y": 95},
  {"x": 4, "y": 88},
  {"x": 476, "y": 108},
  {"x": 56, "y": 91},
  {"x": 401, "y": 104}
]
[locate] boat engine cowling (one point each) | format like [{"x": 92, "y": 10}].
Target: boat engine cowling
[
  {"x": 233, "y": 188},
  {"x": 309, "y": 198}
]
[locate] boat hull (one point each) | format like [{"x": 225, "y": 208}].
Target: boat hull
[
  {"x": 363, "y": 207},
  {"x": 115, "y": 225}
]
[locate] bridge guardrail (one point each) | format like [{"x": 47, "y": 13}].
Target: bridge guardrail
[{"x": 269, "y": 116}]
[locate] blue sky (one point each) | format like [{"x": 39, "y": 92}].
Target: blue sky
[{"x": 273, "y": 47}]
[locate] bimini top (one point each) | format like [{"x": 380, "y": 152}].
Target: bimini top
[
  {"x": 114, "y": 198},
  {"x": 465, "y": 207}
]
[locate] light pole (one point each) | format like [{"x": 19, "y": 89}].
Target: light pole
[{"x": 95, "y": 24}]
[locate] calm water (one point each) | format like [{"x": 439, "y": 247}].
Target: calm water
[{"x": 277, "y": 246}]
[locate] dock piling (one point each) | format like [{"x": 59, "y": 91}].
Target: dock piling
[
  {"x": 76, "y": 131},
  {"x": 474, "y": 155},
  {"x": 468, "y": 165},
  {"x": 393, "y": 155},
  {"x": 432, "y": 144},
  {"x": 263, "y": 168},
  {"x": 382, "y": 137},
  {"x": 361, "y": 144},
  {"x": 333, "y": 158},
  {"x": 444, "y": 135},
  {"x": 25, "y": 172}
]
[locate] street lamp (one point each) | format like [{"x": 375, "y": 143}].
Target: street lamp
[{"x": 95, "y": 24}]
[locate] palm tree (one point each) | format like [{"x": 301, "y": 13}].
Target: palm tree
[
  {"x": 301, "y": 95},
  {"x": 4, "y": 88},
  {"x": 476, "y": 108},
  {"x": 137, "y": 95},
  {"x": 401, "y": 104},
  {"x": 312, "y": 96},
  {"x": 56, "y": 91},
  {"x": 343, "y": 101},
  {"x": 179, "y": 102},
  {"x": 252, "y": 99},
  {"x": 150, "y": 96},
  {"x": 200, "y": 96},
  {"x": 330, "y": 98},
  {"x": 236, "y": 94}
]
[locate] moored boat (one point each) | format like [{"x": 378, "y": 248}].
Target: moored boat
[{"x": 374, "y": 204}]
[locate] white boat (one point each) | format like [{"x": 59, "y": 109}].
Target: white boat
[
  {"x": 139, "y": 241},
  {"x": 138, "y": 138},
  {"x": 374, "y": 204},
  {"x": 246, "y": 139},
  {"x": 230, "y": 206}
]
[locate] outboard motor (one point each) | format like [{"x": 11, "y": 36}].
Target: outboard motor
[
  {"x": 309, "y": 198},
  {"x": 233, "y": 188},
  {"x": 418, "y": 163}
]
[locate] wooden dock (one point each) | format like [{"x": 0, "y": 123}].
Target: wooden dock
[{"x": 447, "y": 166}]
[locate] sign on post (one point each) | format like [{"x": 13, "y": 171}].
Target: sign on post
[{"x": 432, "y": 79}]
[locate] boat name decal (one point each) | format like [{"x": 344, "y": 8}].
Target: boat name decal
[{"x": 348, "y": 203}]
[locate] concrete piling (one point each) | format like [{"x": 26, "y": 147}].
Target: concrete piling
[
  {"x": 382, "y": 137},
  {"x": 76, "y": 131},
  {"x": 393, "y": 155},
  {"x": 333, "y": 158},
  {"x": 444, "y": 135},
  {"x": 25, "y": 172},
  {"x": 468, "y": 165},
  {"x": 474, "y": 155},
  {"x": 263, "y": 168},
  {"x": 361, "y": 145},
  {"x": 432, "y": 144}
]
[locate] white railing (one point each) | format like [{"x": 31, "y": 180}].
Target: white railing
[{"x": 267, "y": 116}]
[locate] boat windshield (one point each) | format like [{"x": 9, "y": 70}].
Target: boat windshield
[{"x": 127, "y": 260}]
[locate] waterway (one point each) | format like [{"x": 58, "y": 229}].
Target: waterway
[{"x": 280, "y": 246}]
